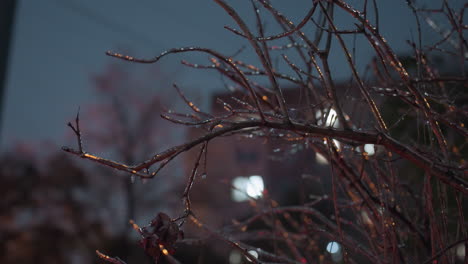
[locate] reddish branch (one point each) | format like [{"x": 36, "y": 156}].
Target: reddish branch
[{"x": 449, "y": 175}]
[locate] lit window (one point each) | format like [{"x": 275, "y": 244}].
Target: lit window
[
  {"x": 238, "y": 193},
  {"x": 247, "y": 187},
  {"x": 255, "y": 186},
  {"x": 235, "y": 257},
  {"x": 331, "y": 118},
  {"x": 253, "y": 253},
  {"x": 369, "y": 148},
  {"x": 335, "y": 142},
  {"x": 333, "y": 247},
  {"x": 335, "y": 250}
]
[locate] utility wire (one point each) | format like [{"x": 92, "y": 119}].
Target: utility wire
[{"x": 100, "y": 19}]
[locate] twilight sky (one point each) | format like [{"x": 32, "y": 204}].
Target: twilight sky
[{"x": 58, "y": 44}]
